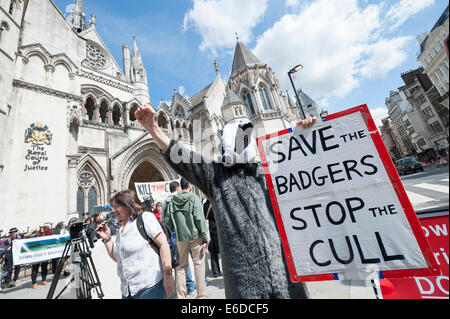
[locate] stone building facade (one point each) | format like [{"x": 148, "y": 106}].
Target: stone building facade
[
  {"x": 68, "y": 135},
  {"x": 429, "y": 129},
  {"x": 434, "y": 59},
  {"x": 415, "y": 120},
  {"x": 398, "y": 107}
]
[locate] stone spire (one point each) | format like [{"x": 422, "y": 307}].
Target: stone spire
[
  {"x": 78, "y": 18},
  {"x": 92, "y": 21},
  {"x": 137, "y": 59},
  {"x": 139, "y": 74},
  {"x": 243, "y": 57},
  {"x": 126, "y": 62},
  {"x": 216, "y": 66}
]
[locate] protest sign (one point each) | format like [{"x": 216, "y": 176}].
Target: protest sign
[
  {"x": 340, "y": 207},
  {"x": 38, "y": 249},
  {"x": 158, "y": 190},
  {"x": 428, "y": 287}
]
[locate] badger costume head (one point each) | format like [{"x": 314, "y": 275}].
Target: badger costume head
[{"x": 238, "y": 144}]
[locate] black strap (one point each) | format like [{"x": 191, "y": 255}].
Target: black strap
[{"x": 141, "y": 229}]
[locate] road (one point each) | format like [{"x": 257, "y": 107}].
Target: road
[{"x": 428, "y": 189}]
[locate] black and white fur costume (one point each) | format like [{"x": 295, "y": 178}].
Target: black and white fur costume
[{"x": 252, "y": 256}]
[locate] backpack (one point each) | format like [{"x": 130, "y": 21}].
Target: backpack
[{"x": 171, "y": 239}]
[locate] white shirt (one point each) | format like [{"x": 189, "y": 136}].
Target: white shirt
[{"x": 138, "y": 264}]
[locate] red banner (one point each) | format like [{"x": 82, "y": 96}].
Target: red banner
[{"x": 437, "y": 287}]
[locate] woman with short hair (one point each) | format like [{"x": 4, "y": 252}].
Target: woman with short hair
[{"x": 144, "y": 272}]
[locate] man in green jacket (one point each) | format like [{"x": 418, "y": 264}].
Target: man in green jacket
[{"x": 185, "y": 218}]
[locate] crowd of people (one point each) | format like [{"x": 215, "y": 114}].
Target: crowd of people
[
  {"x": 182, "y": 212},
  {"x": 438, "y": 161},
  {"x": 145, "y": 270},
  {"x": 9, "y": 273}
]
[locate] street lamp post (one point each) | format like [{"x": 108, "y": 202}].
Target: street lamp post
[{"x": 294, "y": 70}]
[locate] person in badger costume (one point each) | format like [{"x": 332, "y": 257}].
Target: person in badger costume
[{"x": 252, "y": 256}]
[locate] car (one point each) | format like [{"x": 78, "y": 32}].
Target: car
[{"x": 408, "y": 165}]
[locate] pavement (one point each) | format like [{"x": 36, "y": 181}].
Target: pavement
[
  {"x": 419, "y": 187},
  {"x": 110, "y": 284},
  {"x": 428, "y": 189}
]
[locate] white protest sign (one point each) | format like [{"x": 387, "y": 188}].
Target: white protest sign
[
  {"x": 158, "y": 190},
  {"x": 38, "y": 249},
  {"x": 339, "y": 212}
]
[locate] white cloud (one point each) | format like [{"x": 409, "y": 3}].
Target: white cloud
[
  {"x": 329, "y": 51},
  {"x": 403, "y": 10},
  {"x": 292, "y": 3},
  {"x": 218, "y": 20},
  {"x": 339, "y": 44},
  {"x": 181, "y": 91},
  {"x": 378, "y": 114},
  {"x": 69, "y": 8},
  {"x": 385, "y": 55}
]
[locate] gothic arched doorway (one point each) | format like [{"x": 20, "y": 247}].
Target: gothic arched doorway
[{"x": 145, "y": 173}]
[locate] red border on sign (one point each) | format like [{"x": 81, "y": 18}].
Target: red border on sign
[{"x": 432, "y": 270}]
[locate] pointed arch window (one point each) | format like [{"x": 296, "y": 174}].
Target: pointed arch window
[
  {"x": 116, "y": 115},
  {"x": 247, "y": 98},
  {"x": 177, "y": 130},
  {"x": 87, "y": 193},
  {"x": 90, "y": 109},
  {"x": 179, "y": 112},
  {"x": 162, "y": 121},
  {"x": 267, "y": 105},
  {"x": 104, "y": 112},
  {"x": 133, "y": 110}
]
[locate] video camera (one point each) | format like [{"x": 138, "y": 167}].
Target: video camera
[{"x": 81, "y": 230}]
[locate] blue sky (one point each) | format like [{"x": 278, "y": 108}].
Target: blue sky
[{"x": 353, "y": 51}]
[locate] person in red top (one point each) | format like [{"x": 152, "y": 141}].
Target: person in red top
[
  {"x": 158, "y": 211},
  {"x": 43, "y": 231}
]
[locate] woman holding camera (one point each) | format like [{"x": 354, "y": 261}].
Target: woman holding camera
[{"x": 144, "y": 272}]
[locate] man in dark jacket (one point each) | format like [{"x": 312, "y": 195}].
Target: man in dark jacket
[{"x": 252, "y": 255}]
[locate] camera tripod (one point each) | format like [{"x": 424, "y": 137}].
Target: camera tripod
[{"x": 84, "y": 272}]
